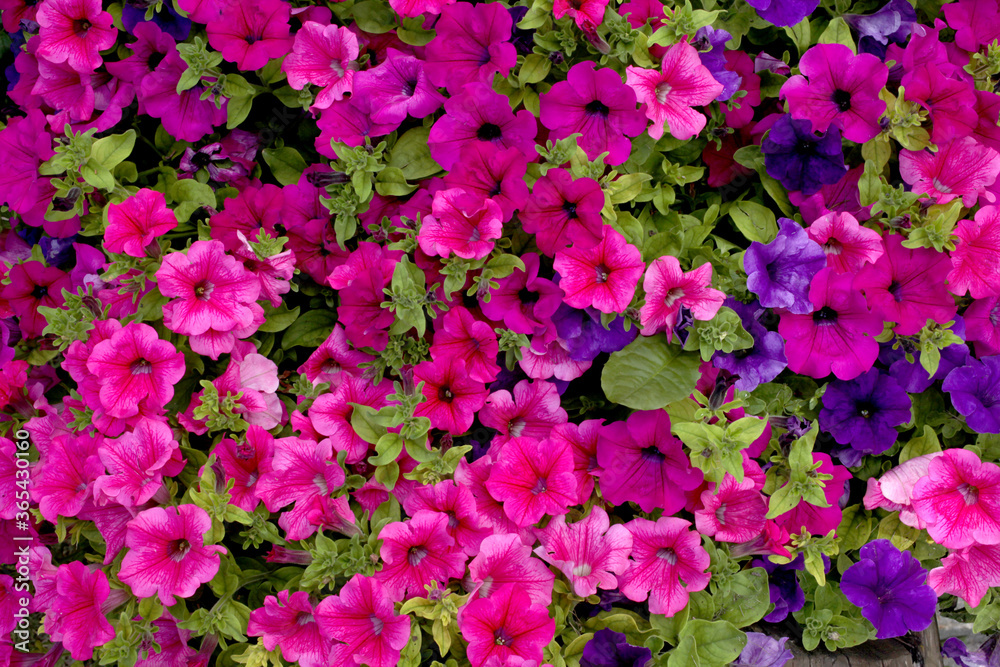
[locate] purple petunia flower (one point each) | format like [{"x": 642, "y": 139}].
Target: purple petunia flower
[
  {"x": 893, "y": 23},
  {"x": 784, "y": 12},
  {"x": 711, "y": 46},
  {"x": 763, "y": 651},
  {"x": 800, "y": 159},
  {"x": 783, "y": 583},
  {"x": 610, "y": 649},
  {"x": 985, "y": 656},
  {"x": 780, "y": 272},
  {"x": 760, "y": 363},
  {"x": 975, "y": 393},
  {"x": 585, "y": 337},
  {"x": 890, "y": 587},
  {"x": 170, "y": 22},
  {"x": 864, "y": 413}
]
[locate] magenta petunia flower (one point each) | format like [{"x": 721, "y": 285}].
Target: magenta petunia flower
[
  {"x": 848, "y": 245},
  {"x": 460, "y": 334},
  {"x": 397, "y": 88},
  {"x": 982, "y": 325},
  {"x": 523, "y": 301},
  {"x": 533, "y": 478},
  {"x": 976, "y": 23},
  {"x": 836, "y": 86},
  {"x": 253, "y": 210},
  {"x": 410, "y": 8},
  {"x": 185, "y": 116},
  {"x": 167, "y": 553},
  {"x": 588, "y": 14},
  {"x": 669, "y": 94},
  {"x": 582, "y": 439},
  {"x": 471, "y": 43},
  {"x": 244, "y": 462},
  {"x": 137, "y": 221},
  {"x": 968, "y": 572},
  {"x": 732, "y": 511},
  {"x": 976, "y": 258},
  {"x": 603, "y": 277},
  {"x": 492, "y": 173},
  {"x": 333, "y": 360},
  {"x": 959, "y": 500},
  {"x": 323, "y": 55},
  {"x": 838, "y": 336},
  {"x": 251, "y": 33},
  {"x": 961, "y": 168},
  {"x": 531, "y": 412},
  {"x": 74, "y": 32},
  {"x": 590, "y": 552},
  {"x": 668, "y": 288},
  {"x": 641, "y": 462},
  {"x": 951, "y": 104},
  {"x": 32, "y": 284},
  {"x": 453, "y": 399},
  {"x": 77, "y": 615},
  {"x": 289, "y": 622},
  {"x": 67, "y": 90},
  {"x": 507, "y": 624},
  {"x": 598, "y": 105},
  {"x": 667, "y": 563},
  {"x": 362, "y": 616},
  {"x": 479, "y": 113},
  {"x": 274, "y": 272},
  {"x": 135, "y": 369},
  {"x": 457, "y": 503},
  {"x": 504, "y": 559},
  {"x": 350, "y": 121},
  {"x": 137, "y": 463},
  {"x": 415, "y": 553},
  {"x": 462, "y": 224},
  {"x": 562, "y": 210},
  {"x": 63, "y": 480},
  {"x": 330, "y": 413}
]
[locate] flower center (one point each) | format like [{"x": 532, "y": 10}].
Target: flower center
[
  {"x": 304, "y": 618},
  {"x": 833, "y": 247},
  {"x": 896, "y": 290},
  {"x": 475, "y": 236},
  {"x": 527, "y": 296},
  {"x": 866, "y": 409},
  {"x": 541, "y": 486},
  {"x": 40, "y": 291},
  {"x": 502, "y": 638},
  {"x": 516, "y": 426},
  {"x": 409, "y": 87},
  {"x": 653, "y": 453},
  {"x": 141, "y": 367},
  {"x": 842, "y": 99},
  {"x": 377, "y": 624},
  {"x": 81, "y": 27},
  {"x": 969, "y": 493},
  {"x": 251, "y": 39},
  {"x": 597, "y": 108},
  {"x": 203, "y": 290},
  {"x": 582, "y": 570},
  {"x": 720, "y": 514},
  {"x": 415, "y": 555},
  {"x": 569, "y": 208},
  {"x": 489, "y": 132},
  {"x": 330, "y": 366},
  {"x": 667, "y": 554},
  {"x": 445, "y": 394},
  {"x": 178, "y": 549},
  {"x": 825, "y": 316},
  {"x": 337, "y": 68},
  {"x": 602, "y": 272},
  {"x": 662, "y": 91},
  {"x": 673, "y": 295}
]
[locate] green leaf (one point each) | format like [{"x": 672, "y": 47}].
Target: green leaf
[
  {"x": 390, "y": 182},
  {"x": 412, "y": 156},
  {"x": 838, "y": 32},
  {"x": 365, "y": 423},
  {"x": 278, "y": 319},
  {"x": 535, "y": 68},
  {"x": 801, "y": 35},
  {"x": 114, "y": 149},
  {"x": 374, "y": 17},
  {"x": 686, "y": 654},
  {"x": 286, "y": 164},
  {"x": 748, "y": 600},
  {"x": 98, "y": 175},
  {"x": 754, "y": 220},
  {"x": 870, "y": 184},
  {"x": 310, "y": 330},
  {"x": 719, "y": 642},
  {"x": 927, "y": 443},
  {"x": 649, "y": 374},
  {"x": 190, "y": 195},
  {"x": 237, "y": 110}
]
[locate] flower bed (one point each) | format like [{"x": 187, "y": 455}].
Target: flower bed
[{"x": 446, "y": 333}]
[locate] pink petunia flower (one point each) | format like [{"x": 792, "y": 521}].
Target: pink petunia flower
[
  {"x": 562, "y": 210},
  {"x": 982, "y": 325},
  {"x": 397, "y": 88},
  {"x": 842, "y": 88},
  {"x": 582, "y": 439},
  {"x": 598, "y": 105},
  {"x": 533, "y": 478},
  {"x": 330, "y": 414},
  {"x": 133, "y": 224},
  {"x": 458, "y": 504},
  {"x": 848, "y": 245},
  {"x": 893, "y": 491},
  {"x": 185, "y": 116},
  {"x": 137, "y": 463},
  {"x": 523, "y": 301},
  {"x": 362, "y": 616},
  {"x": 462, "y": 224},
  {"x": 63, "y": 480},
  {"x": 604, "y": 276},
  {"x": 683, "y": 82},
  {"x": 244, "y": 463},
  {"x": 453, "y": 399},
  {"x": 333, "y": 360},
  {"x": 31, "y": 285},
  {"x": 809, "y": 518},
  {"x": 167, "y": 554},
  {"x": 410, "y": 8},
  {"x": 667, "y": 563},
  {"x": 492, "y": 173},
  {"x": 289, "y": 622},
  {"x": 590, "y": 552},
  {"x": 668, "y": 288},
  {"x": 976, "y": 258},
  {"x": 959, "y": 500},
  {"x": 251, "y": 33},
  {"x": 504, "y": 559},
  {"x": 505, "y": 624},
  {"x": 732, "y": 511},
  {"x": 968, "y": 572},
  {"x": 642, "y": 462},
  {"x": 417, "y": 552},
  {"x": 460, "y": 334},
  {"x": 253, "y": 210},
  {"x": 838, "y": 336},
  {"x": 74, "y": 32},
  {"x": 951, "y": 104},
  {"x": 77, "y": 615},
  {"x": 532, "y": 410},
  {"x": 135, "y": 369},
  {"x": 471, "y": 43},
  {"x": 961, "y": 168},
  {"x": 323, "y": 55},
  {"x": 588, "y": 14},
  {"x": 274, "y": 272}
]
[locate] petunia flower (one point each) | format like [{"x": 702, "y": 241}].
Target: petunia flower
[
  {"x": 959, "y": 500},
  {"x": 137, "y": 221},
  {"x": 584, "y": 335},
  {"x": 471, "y": 43},
  {"x": 892, "y": 23},
  {"x": 603, "y": 277},
  {"x": 864, "y": 412},
  {"x": 562, "y": 210},
  {"x": 890, "y": 587},
  {"x": 598, "y": 105},
  {"x": 842, "y": 88},
  {"x": 800, "y": 159},
  {"x": 975, "y": 393},
  {"x": 453, "y": 399},
  {"x": 668, "y": 288},
  {"x": 764, "y": 651},
  {"x": 289, "y": 622},
  {"x": 783, "y": 586},
  {"x": 666, "y": 565},
  {"x": 74, "y": 32},
  {"x": 587, "y": 14},
  {"x": 411, "y": 8},
  {"x": 244, "y": 462},
  {"x": 415, "y": 553},
  {"x": 894, "y": 489},
  {"x": 812, "y": 519},
  {"x": 848, "y": 246},
  {"x": 784, "y": 12},
  {"x": 457, "y": 503},
  {"x": 398, "y": 87},
  {"x": 589, "y": 552},
  {"x": 503, "y": 560},
  {"x": 167, "y": 555},
  {"x": 608, "y": 648},
  {"x": 759, "y": 363},
  {"x": 960, "y": 168},
  {"x": 780, "y": 272},
  {"x": 951, "y": 104},
  {"x": 523, "y": 301},
  {"x": 492, "y": 173},
  {"x": 976, "y": 23},
  {"x": 669, "y": 94},
  {"x": 32, "y": 284},
  {"x": 362, "y": 616},
  {"x": 331, "y": 413},
  {"x": 460, "y": 334},
  {"x": 711, "y": 47},
  {"x": 732, "y": 511},
  {"x": 322, "y": 55},
  {"x": 533, "y": 478},
  {"x": 251, "y": 33},
  {"x": 77, "y": 617},
  {"x": 982, "y": 325},
  {"x": 137, "y": 463},
  {"x": 976, "y": 258},
  {"x": 506, "y": 624},
  {"x": 462, "y": 224}
]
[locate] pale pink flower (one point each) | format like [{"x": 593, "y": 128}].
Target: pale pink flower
[
  {"x": 959, "y": 500},
  {"x": 668, "y": 288},
  {"x": 976, "y": 258},
  {"x": 590, "y": 552}
]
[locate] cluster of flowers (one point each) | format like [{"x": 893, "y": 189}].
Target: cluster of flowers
[{"x": 429, "y": 332}]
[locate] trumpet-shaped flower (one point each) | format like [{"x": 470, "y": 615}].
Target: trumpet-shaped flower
[
  {"x": 666, "y": 565},
  {"x": 959, "y": 500}
]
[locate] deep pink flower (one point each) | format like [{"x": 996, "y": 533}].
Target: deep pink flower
[
  {"x": 848, "y": 245},
  {"x": 471, "y": 43},
  {"x": 173, "y": 643},
  {"x": 492, "y": 173},
  {"x": 410, "y": 8},
  {"x": 289, "y": 622},
  {"x": 524, "y": 301},
  {"x": 274, "y": 272},
  {"x": 604, "y": 277},
  {"x": 416, "y": 552},
  {"x": 137, "y": 463},
  {"x": 253, "y": 210},
  {"x": 458, "y": 504},
  {"x": 959, "y": 500},
  {"x": 63, "y": 480},
  {"x": 133, "y": 224},
  {"x": 960, "y": 168},
  {"x": 32, "y": 284},
  {"x": 453, "y": 399},
  {"x": 135, "y": 370},
  {"x": 533, "y": 478},
  {"x": 362, "y": 616},
  {"x": 185, "y": 116},
  {"x": 732, "y": 511},
  {"x": 968, "y": 573},
  {"x": 506, "y": 624},
  {"x": 976, "y": 258},
  {"x": 667, "y": 563},
  {"x": 463, "y": 224},
  {"x": 504, "y": 559},
  {"x": 14, "y": 11},
  {"x": 642, "y": 462},
  {"x": 251, "y": 33},
  {"x": 167, "y": 553},
  {"x": 976, "y": 23},
  {"x": 838, "y": 336},
  {"x": 244, "y": 462},
  {"x": 562, "y": 210},
  {"x": 588, "y": 14},
  {"x": 809, "y": 518},
  {"x": 982, "y": 325},
  {"x": 906, "y": 286},
  {"x": 361, "y": 281},
  {"x": 74, "y": 32},
  {"x": 531, "y": 412},
  {"x": 333, "y": 360},
  {"x": 668, "y": 288},
  {"x": 330, "y": 414},
  {"x": 397, "y": 88},
  {"x": 323, "y": 55},
  {"x": 460, "y": 334},
  {"x": 77, "y": 617},
  {"x": 582, "y": 439},
  {"x": 597, "y": 104},
  {"x": 69, "y": 91},
  {"x": 842, "y": 88},
  {"x": 350, "y": 121},
  {"x": 669, "y": 94},
  {"x": 589, "y": 552},
  {"x": 950, "y": 103}
]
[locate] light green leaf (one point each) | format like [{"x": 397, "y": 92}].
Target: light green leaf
[
  {"x": 838, "y": 32},
  {"x": 112, "y": 150},
  {"x": 754, "y": 220},
  {"x": 412, "y": 156},
  {"x": 649, "y": 374},
  {"x": 286, "y": 164}
]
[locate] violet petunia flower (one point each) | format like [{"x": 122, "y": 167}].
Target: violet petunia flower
[
  {"x": 956, "y": 649},
  {"x": 763, "y": 651},
  {"x": 783, "y": 584},
  {"x": 893, "y": 23},
  {"x": 864, "y": 413},
  {"x": 975, "y": 393},
  {"x": 891, "y": 588},
  {"x": 784, "y": 13},
  {"x": 584, "y": 335},
  {"x": 711, "y": 46},
  {"x": 800, "y": 159},
  {"x": 780, "y": 272},
  {"x": 608, "y": 648},
  {"x": 757, "y": 364},
  {"x": 169, "y": 21}
]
